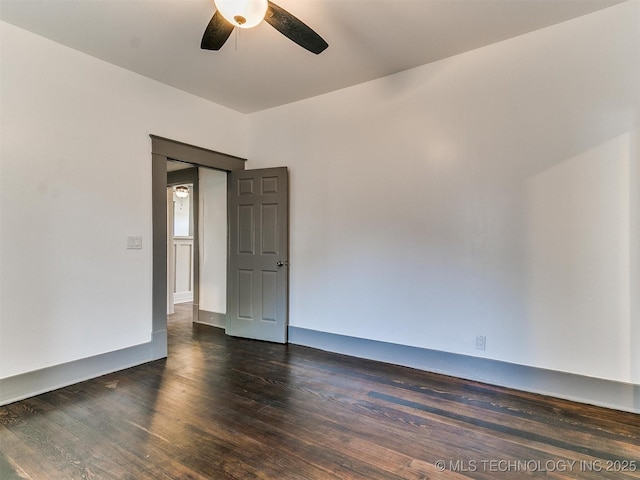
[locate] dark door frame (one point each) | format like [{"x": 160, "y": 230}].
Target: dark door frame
[{"x": 163, "y": 149}]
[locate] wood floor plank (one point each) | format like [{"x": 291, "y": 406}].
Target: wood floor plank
[{"x": 16, "y": 456}]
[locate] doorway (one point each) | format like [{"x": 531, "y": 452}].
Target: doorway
[
  {"x": 182, "y": 235},
  {"x": 182, "y": 243},
  {"x": 212, "y": 242},
  {"x": 197, "y": 242},
  {"x": 257, "y": 273},
  {"x": 163, "y": 150}
]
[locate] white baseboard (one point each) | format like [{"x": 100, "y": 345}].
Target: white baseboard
[{"x": 213, "y": 319}]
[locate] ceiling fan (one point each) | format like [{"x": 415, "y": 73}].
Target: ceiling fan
[{"x": 249, "y": 13}]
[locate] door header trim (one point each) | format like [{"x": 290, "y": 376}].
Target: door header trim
[{"x": 174, "y": 150}]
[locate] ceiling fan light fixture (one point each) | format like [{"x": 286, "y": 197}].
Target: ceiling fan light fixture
[{"x": 242, "y": 13}]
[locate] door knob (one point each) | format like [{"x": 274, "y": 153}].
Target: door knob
[{"x": 280, "y": 263}]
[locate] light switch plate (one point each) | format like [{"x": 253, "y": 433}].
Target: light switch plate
[{"x": 134, "y": 243}]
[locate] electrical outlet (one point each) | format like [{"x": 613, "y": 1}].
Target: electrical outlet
[{"x": 481, "y": 342}]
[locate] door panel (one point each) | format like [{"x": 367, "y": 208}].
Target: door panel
[
  {"x": 270, "y": 239},
  {"x": 183, "y": 270},
  {"x": 258, "y": 283},
  {"x": 245, "y": 294},
  {"x": 269, "y": 296}
]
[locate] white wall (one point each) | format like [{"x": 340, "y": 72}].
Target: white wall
[
  {"x": 578, "y": 266},
  {"x": 488, "y": 193},
  {"x": 213, "y": 241},
  {"x": 75, "y": 150},
  {"x": 426, "y": 207}
]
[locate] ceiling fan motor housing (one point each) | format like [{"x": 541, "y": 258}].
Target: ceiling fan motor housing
[{"x": 243, "y": 13}]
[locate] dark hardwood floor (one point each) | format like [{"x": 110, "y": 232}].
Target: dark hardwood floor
[{"x": 221, "y": 408}]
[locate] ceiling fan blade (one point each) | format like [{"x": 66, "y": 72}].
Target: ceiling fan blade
[
  {"x": 294, "y": 29},
  {"x": 216, "y": 32}
]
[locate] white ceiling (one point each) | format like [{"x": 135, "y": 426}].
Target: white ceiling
[{"x": 260, "y": 68}]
